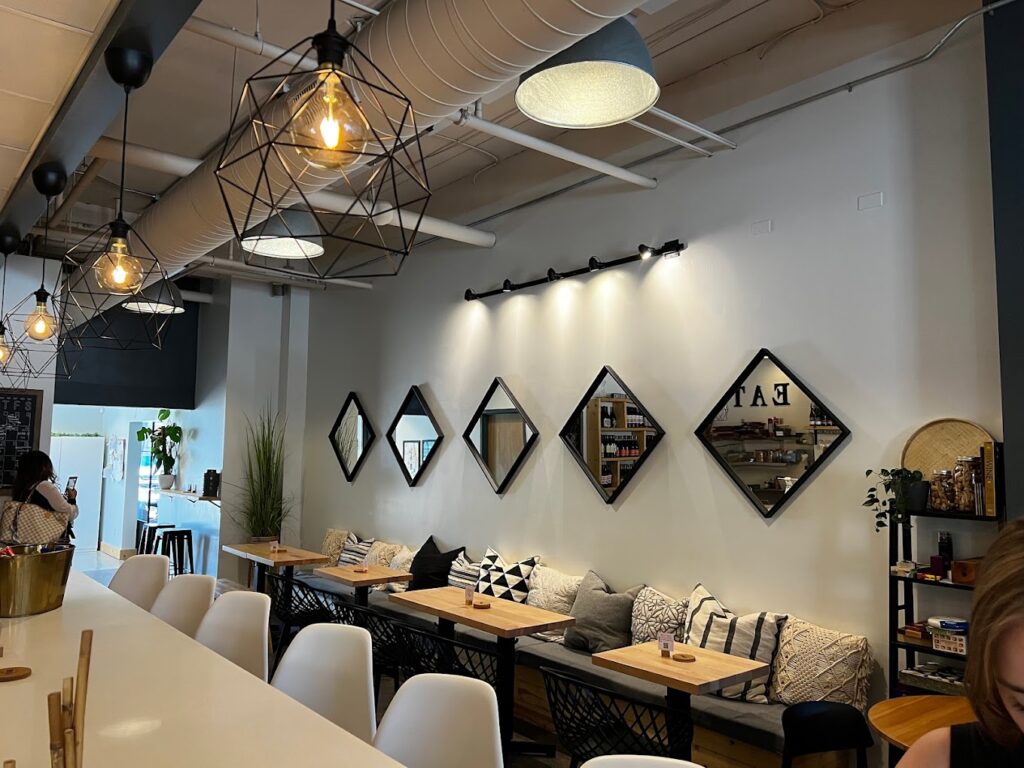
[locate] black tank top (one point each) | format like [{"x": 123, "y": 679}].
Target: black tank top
[{"x": 969, "y": 747}]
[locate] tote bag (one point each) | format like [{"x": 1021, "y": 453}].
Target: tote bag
[{"x": 25, "y": 523}]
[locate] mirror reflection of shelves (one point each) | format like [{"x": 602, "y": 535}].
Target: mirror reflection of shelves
[{"x": 617, "y": 434}]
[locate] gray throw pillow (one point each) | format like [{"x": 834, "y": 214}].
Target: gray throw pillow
[{"x": 602, "y": 616}]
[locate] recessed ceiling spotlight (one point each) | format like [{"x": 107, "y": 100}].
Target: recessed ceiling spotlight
[{"x": 645, "y": 251}]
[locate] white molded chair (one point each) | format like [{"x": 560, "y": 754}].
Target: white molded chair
[
  {"x": 140, "y": 579},
  {"x": 637, "y": 761},
  {"x": 236, "y": 627},
  {"x": 437, "y": 721},
  {"x": 329, "y": 668},
  {"x": 184, "y": 602}
]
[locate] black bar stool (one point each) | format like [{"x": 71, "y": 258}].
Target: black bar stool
[
  {"x": 148, "y": 537},
  {"x": 821, "y": 726},
  {"x": 173, "y": 545}
]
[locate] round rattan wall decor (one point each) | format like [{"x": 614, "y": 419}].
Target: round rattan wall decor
[{"x": 938, "y": 444}]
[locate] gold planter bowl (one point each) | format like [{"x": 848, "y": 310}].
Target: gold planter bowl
[{"x": 33, "y": 581}]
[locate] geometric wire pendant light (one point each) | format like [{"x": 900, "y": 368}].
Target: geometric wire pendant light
[
  {"x": 118, "y": 296},
  {"x": 301, "y": 127},
  {"x": 604, "y": 79}
]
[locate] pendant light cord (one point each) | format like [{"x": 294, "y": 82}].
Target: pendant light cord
[{"x": 124, "y": 145}]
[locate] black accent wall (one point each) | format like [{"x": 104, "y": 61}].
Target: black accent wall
[
  {"x": 1004, "y": 63},
  {"x": 145, "y": 378}
]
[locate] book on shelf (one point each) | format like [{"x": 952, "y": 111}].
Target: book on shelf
[
  {"x": 991, "y": 469},
  {"x": 932, "y": 676}
]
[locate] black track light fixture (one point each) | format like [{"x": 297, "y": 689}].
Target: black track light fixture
[{"x": 643, "y": 253}]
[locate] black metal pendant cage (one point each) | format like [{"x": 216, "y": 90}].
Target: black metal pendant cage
[
  {"x": 341, "y": 126},
  {"x": 94, "y": 317}
]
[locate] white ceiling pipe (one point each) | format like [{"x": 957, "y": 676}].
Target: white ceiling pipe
[
  {"x": 176, "y": 165},
  {"x": 532, "y": 142},
  {"x": 253, "y": 271},
  {"x": 76, "y": 192},
  {"x": 196, "y": 297},
  {"x": 669, "y": 138},
  {"x": 244, "y": 42},
  {"x": 675, "y": 120},
  {"x": 471, "y": 48}
]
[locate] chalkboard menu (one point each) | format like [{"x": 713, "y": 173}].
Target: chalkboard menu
[{"x": 20, "y": 415}]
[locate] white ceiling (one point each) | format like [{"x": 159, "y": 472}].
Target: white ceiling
[{"x": 43, "y": 45}]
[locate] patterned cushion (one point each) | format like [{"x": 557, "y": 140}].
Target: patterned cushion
[
  {"x": 400, "y": 562},
  {"x": 702, "y": 605},
  {"x": 464, "y": 572},
  {"x": 334, "y": 541},
  {"x": 382, "y": 552},
  {"x": 355, "y": 553},
  {"x": 552, "y": 590},
  {"x": 818, "y": 664},
  {"x": 654, "y": 613},
  {"x": 504, "y": 580}
]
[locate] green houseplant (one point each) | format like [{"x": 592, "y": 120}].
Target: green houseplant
[
  {"x": 263, "y": 506},
  {"x": 164, "y": 440},
  {"x": 890, "y": 496}
]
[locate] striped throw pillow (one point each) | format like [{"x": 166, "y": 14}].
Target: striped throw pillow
[
  {"x": 356, "y": 552},
  {"x": 464, "y": 573},
  {"x": 754, "y": 636},
  {"x": 702, "y": 606}
]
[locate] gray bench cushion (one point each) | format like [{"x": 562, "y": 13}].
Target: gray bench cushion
[{"x": 756, "y": 724}]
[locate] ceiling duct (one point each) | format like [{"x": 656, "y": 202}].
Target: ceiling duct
[{"x": 442, "y": 54}]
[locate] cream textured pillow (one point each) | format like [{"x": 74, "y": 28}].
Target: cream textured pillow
[
  {"x": 334, "y": 541},
  {"x": 400, "y": 562},
  {"x": 552, "y": 590},
  {"x": 654, "y": 613},
  {"x": 382, "y": 552},
  {"x": 818, "y": 664}
]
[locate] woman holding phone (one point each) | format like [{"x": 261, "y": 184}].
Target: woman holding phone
[{"x": 39, "y": 512}]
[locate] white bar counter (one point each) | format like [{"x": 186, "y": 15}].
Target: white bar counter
[{"x": 156, "y": 697}]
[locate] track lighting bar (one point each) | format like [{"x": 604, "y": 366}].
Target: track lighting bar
[{"x": 643, "y": 253}]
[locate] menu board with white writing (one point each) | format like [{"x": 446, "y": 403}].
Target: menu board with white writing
[{"x": 20, "y": 414}]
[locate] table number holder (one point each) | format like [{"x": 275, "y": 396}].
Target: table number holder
[{"x": 66, "y": 712}]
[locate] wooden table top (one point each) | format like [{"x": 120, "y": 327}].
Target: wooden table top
[
  {"x": 260, "y": 553},
  {"x": 711, "y": 671},
  {"x": 905, "y": 719},
  {"x": 375, "y": 574},
  {"x": 504, "y": 618}
]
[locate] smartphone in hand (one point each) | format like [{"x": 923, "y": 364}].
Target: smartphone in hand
[{"x": 72, "y": 482}]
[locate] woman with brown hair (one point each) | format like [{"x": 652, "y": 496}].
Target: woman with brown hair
[{"x": 995, "y": 670}]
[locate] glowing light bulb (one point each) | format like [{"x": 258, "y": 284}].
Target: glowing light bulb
[
  {"x": 40, "y": 325},
  {"x": 117, "y": 270},
  {"x": 327, "y": 128},
  {"x": 5, "y": 351}
]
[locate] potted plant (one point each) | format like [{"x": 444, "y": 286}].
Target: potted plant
[
  {"x": 895, "y": 494},
  {"x": 263, "y": 507},
  {"x": 164, "y": 440}
]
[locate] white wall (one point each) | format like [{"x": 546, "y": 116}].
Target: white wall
[{"x": 887, "y": 314}]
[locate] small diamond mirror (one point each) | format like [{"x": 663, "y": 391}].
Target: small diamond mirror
[
  {"x": 351, "y": 436},
  {"x": 610, "y": 434},
  {"x": 414, "y": 436},
  {"x": 500, "y": 435},
  {"x": 770, "y": 433}
]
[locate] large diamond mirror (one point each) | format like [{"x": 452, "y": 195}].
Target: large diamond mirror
[
  {"x": 500, "y": 435},
  {"x": 351, "y": 436},
  {"x": 770, "y": 433},
  {"x": 610, "y": 434},
  {"x": 414, "y": 436}
]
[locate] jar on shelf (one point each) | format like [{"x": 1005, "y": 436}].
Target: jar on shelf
[
  {"x": 966, "y": 474},
  {"x": 943, "y": 494}
]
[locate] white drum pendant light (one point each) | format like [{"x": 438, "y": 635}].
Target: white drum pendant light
[
  {"x": 292, "y": 233},
  {"x": 605, "y": 79}
]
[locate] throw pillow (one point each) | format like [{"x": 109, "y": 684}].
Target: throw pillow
[
  {"x": 431, "y": 566},
  {"x": 355, "y": 552},
  {"x": 464, "y": 572},
  {"x": 654, "y": 613},
  {"x": 602, "y": 616},
  {"x": 754, "y": 636},
  {"x": 334, "y": 541},
  {"x": 818, "y": 664},
  {"x": 508, "y": 581},
  {"x": 702, "y": 605},
  {"x": 381, "y": 552},
  {"x": 400, "y": 562},
  {"x": 552, "y": 590}
]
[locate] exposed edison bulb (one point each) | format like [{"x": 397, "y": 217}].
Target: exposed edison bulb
[
  {"x": 40, "y": 324},
  {"x": 327, "y": 127},
  {"x": 5, "y": 350},
  {"x": 117, "y": 270}
]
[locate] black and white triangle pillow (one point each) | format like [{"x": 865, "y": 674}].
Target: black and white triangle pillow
[{"x": 507, "y": 581}]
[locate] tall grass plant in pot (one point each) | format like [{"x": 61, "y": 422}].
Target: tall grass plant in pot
[{"x": 263, "y": 507}]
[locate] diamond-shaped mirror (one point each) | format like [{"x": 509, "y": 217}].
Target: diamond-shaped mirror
[
  {"x": 770, "y": 433},
  {"x": 500, "y": 435},
  {"x": 414, "y": 436},
  {"x": 351, "y": 436},
  {"x": 610, "y": 434}
]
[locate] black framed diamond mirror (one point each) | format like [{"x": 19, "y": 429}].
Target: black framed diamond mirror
[
  {"x": 770, "y": 433},
  {"x": 500, "y": 435},
  {"x": 414, "y": 436},
  {"x": 351, "y": 436},
  {"x": 610, "y": 434}
]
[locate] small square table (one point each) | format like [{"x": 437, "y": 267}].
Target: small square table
[
  {"x": 507, "y": 621},
  {"x": 711, "y": 671},
  {"x": 361, "y": 582},
  {"x": 286, "y": 557}
]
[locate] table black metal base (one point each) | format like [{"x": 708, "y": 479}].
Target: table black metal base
[
  {"x": 362, "y": 596},
  {"x": 679, "y": 709}
]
